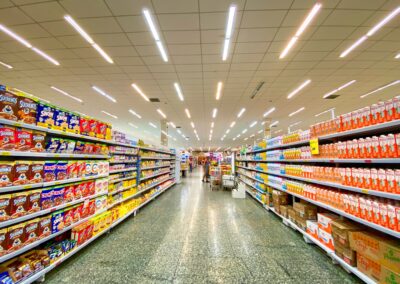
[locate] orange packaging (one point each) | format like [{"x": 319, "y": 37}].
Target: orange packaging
[
  {"x": 383, "y": 210},
  {"x": 392, "y": 218},
  {"x": 360, "y": 178},
  {"x": 367, "y": 178},
  {"x": 381, "y": 112},
  {"x": 354, "y": 119},
  {"x": 391, "y": 181},
  {"x": 366, "y": 116},
  {"x": 363, "y": 207},
  {"x": 383, "y": 143},
  {"x": 325, "y": 221},
  {"x": 369, "y": 267},
  {"x": 396, "y": 106},
  {"x": 361, "y": 148},
  {"x": 370, "y": 212},
  {"x": 382, "y": 180},
  {"x": 374, "y": 179},
  {"x": 348, "y": 149},
  {"x": 348, "y": 177},
  {"x": 374, "y": 114},
  {"x": 397, "y": 143},
  {"x": 338, "y": 124},
  {"x": 355, "y": 149},
  {"x": 368, "y": 147},
  {"x": 397, "y": 181},
  {"x": 376, "y": 213},
  {"x": 389, "y": 110},
  {"x": 376, "y": 151},
  {"x": 354, "y": 177},
  {"x": 325, "y": 238},
  {"x": 397, "y": 208},
  {"x": 391, "y": 147}
]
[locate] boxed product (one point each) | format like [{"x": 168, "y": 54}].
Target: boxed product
[
  {"x": 284, "y": 210},
  {"x": 27, "y": 109},
  {"x": 45, "y": 115},
  {"x": 8, "y": 105},
  {"x": 312, "y": 228},
  {"x": 291, "y": 214},
  {"x": 306, "y": 210},
  {"x": 61, "y": 119},
  {"x": 23, "y": 139},
  {"x": 341, "y": 230},
  {"x": 325, "y": 221},
  {"x": 347, "y": 254},
  {"x": 7, "y": 137},
  {"x": 325, "y": 238},
  {"x": 301, "y": 222}
]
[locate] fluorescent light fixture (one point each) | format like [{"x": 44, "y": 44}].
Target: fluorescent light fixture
[
  {"x": 252, "y": 135},
  {"x": 161, "y": 113},
  {"x": 278, "y": 131},
  {"x": 109, "y": 114},
  {"x": 381, "y": 88},
  {"x": 397, "y": 56},
  {"x": 296, "y": 112},
  {"x": 66, "y": 94},
  {"x": 228, "y": 32},
  {"x": 301, "y": 29},
  {"x": 232, "y": 124},
  {"x": 15, "y": 36},
  {"x": 234, "y": 138},
  {"x": 135, "y": 114},
  {"x": 264, "y": 122},
  {"x": 179, "y": 131},
  {"x": 219, "y": 88},
  {"x": 87, "y": 37},
  {"x": 253, "y": 124},
  {"x": 245, "y": 139},
  {"x": 298, "y": 89},
  {"x": 101, "y": 92},
  {"x": 140, "y": 92},
  {"x": 133, "y": 125},
  {"x": 325, "y": 111},
  {"x": 296, "y": 123},
  {"x": 227, "y": 131},
  {"x": 187, "y": 113},
  {"x": 218, "y": 148},
  {"x": 244, "y": 131},
  {"x": 192, "y": 124},
  {"x": 165, "y": 133},
  {"x": 338, "y": 89},
  {"x": 6, "y": 65},
  {"x": 178, "y": 91},
  {"x": 172, "y": 124},
  {"x": 259, "y": 131},
  {"x": 384, "y": 21},
  {"x": 154, "y": 32},
  {"x": 214, "y": 113},
  {"x": 212, "y": 124},
  {"x": 209, "y": 138},
  {"x": 241, "y": 112},
  {"x": 274, "y": 123},
  {"x": 152, "y": 125},
  {"x": 268, "y": 112},
  {"x": 45, "y": 56},
  {"x": 353, "y": 46},
  {"x": 237, "y": 136}
]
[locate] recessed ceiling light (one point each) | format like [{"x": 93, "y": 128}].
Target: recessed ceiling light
[
  {"x": 133, "y": 125},
  {"x": 178, "y": 91},
  {"x": 192, "y": 124},
  {"x": 135, "y": 114},
  {"x": 253, "y": 124},
  {"x": 297, "y": 111},
  {"x": 66, "y": 94},
  {"x": 109, "y": 114},
  {"x": 268, "y": 112},
  {"x": 301, "y": 29},
  {"x": 274, "y": 123},
  {"x": 219, "y": 88},
  {"x": 381, "y": 88},
  {"x": 140, "y": 92},
  {"x": 187, "y": 113},
  {"x": 298, "y": 89},
  {"x": 338, "y": 89},
  {"x": 6, "y": 65},
  {"x": 244, "y": 131},
  {"x": 101, "y": 92},
  {"x": 152, "y": 125},
  {"x": 154, "y": 32},
  {"x": 161, "y": 113},
  {"x": 232, "y": 124},
  {"x": 214, "y": 113},
  {"x": 228, "y": 32},
  {"x": 241, "y": 112},
  {"x": 83, "y": 33}
]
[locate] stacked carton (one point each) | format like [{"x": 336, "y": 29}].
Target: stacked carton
[
  {"x": 304, "y": 211},
  {"x": 340, "y": 232},
  {"x": 279, "y": 198},
  {"x": 325, "y": 229}
]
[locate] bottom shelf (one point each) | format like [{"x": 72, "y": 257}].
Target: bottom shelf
[
  {"x": 311, "y": 239},
  {"x": 43, "y": 272}
]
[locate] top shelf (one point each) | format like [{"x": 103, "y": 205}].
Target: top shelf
[{"x": 372, "y": 129}]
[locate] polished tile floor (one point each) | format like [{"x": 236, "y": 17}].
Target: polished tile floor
[{"x": 193, "y": 235}]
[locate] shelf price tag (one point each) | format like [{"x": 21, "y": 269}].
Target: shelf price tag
[{"x": 314, "y": 146}]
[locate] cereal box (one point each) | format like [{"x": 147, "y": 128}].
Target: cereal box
[
  {"x": 7, "y": 137},
  {"x": 53, "y": 144},
  {"x": 23, "y": 139},
  {"x": 61, "y": 170},
  {"x": 93, "y": 127},
  {"x": 45, "y": 115},
  {"x": 5, "y": 207},
  {"x": 6, "y": 173},
  {"x": 69, "y": 193},
  {"x": 61, "y": 119},
  {"x": 8, "y": 105},
  {"x": 27, "y": 110},
  {"x": 19, "y": 204},
  {"x": 58, "y": 196},
  {"x": 38, "y": 141},
  {"x": 31, "y": 230},
  {"x": 47, "y": 198},
  {"x": 84, "y": 125},
  {"x": 34, "y": 197},
  {"x": 44, "y": 227},
  {"x": 57, "y": 221},
  {"x": 21, "y": 172},
  {"x": 73, "y": 123},
  {"x": 36, "y": 173},
  {"x": 50, "y": 171}
]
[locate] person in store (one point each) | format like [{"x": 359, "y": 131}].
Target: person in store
[
  {"x": 190, "y": 164},
  {"x": 206, "y": 170}
]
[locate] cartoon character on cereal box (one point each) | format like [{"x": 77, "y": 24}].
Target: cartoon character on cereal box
[
  {"x": 73, "y": 123},
  {"x": 61, "y": 119},
  {"x": 45, "y": 115},
  {"x": 8, "y": 104}
]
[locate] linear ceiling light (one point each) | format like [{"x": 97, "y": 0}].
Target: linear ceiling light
[
  {"x": 156, "y": 37},
  {"x": 296, "y": 123},
  {"x": 135, "y": 114},
  {"x": 161, "y": 113},
  {"x": 397, "y": 56},
  {"x": 214, "y": 113},
  {"x": 192, "y": 124},
  {"x": 101, "y": 92},
  {"x": 323, "y": 112},
  {"x": 187, "y": 113},
  {"x": 219, "y": 88},
  {"x": 338, "y": 89},
  {"x": 227, "y": 131},
  {"x": 212, "y": 124},
  {"x": 278, "y": 131},
  {"x": 66, "y": 94},
  {"x": 381, "y": 88},
  {"x": 232, "y": 124},
  {"x": 152, "y": 125},
  {"x": 244, "y": 131},
  {"x": 178, "y": 91},
  {"x": 245, "y": 139},
  {"x": 268, "y": 112},
  {"x": 259, "y": 131},
  {"x": 301, "y": 29},
  {"x": 6, "y": 65},
  {"x": 28, "y": 45},
  {"x": 241, "y": 112},
  {"x": 228, "y": 32},
  {"x": 253, "y": 124},
  {"x": 140, "y": 92},
  {"x": 297, "y": 111},
  {"x": 371, "y": 32},
  {"x": 274, "y": 123},
  {"x": 172, "y": 124},
  {"x": 298, "y": 89},
  {"x": 109, "y": 114},
  {"x": 133, "y": 125},
  {"x": 87, "y": 37}
]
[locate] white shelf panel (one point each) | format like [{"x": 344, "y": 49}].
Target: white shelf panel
[
  {"x": 121, "y": 179},
  {"x": 341, "y": 161},
  {"x": 155, "y": 158},
  {"x": 123, "y": 170},
  {"x": 50, "y": 155},
  {"x": 123, "y": 153},
  {"x": 156, "y": 150},
  {"x": 252, "y": 195},
  {"x": 122, "y": 189},
  {"x": 252, "y": 186},
  {"x": 155, "y": 175},
  {"x": 155, "y": 167}
]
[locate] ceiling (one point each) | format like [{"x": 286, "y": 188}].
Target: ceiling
[{"x": 193, "y": 32}]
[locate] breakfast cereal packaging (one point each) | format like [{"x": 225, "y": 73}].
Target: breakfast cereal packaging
[
  {"x": 45, "y": 115},
  {"x": 27, "y": 109},
  {"x": 38, "y": 141},
  {"x": 23, "y": 139},
  {"x": 73, "y": 123},
  {"x": 21, "y": 172},
  {"x": 6, "y": 173},
  {"x": 79, "y": 146},
  {"x": 57, "y": 221},
  {"x": 69, "y": 193},
  {"x": 36, "y": 172},
  {"x": 53, "y": 144},
  {"x": 72, "y": 169},
  {"x": 46, "y": 198},
  {"x": 33, "y": 200},
  {"x": 50, "y": 171},
  {"x": 78, "y": 190},
  {"x": 70, "y": 146},
  {"x": 101, "y": 130},
  {"x": 84, "y": 125},
  {"x": 8, "y": 105},
  {"x": 18, "y": 204},
  {"x": 68, "y": 217},
  {"x": 31, "y": 230},
  {"x": 5, "y": 207},
  {"x": 88, "y": 169},
  {"x": 61, "y": 119},
  {"x": 44, "y": 227},
  {"x": 7, "y": 137},
  {"x": 61, "y": 170},
  {"x": 62, "y": 146},
  {"x": 81, "y": 168},
  {"x": 58, "y": 196},
  {"x": 3, "y": 243},
  {"x": 15, "y": 237},
  {"x": 93, "y": 127}
]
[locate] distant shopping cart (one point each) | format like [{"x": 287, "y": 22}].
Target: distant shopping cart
[
  {"x": 229, "y": 182},
  {"x": 215, "y": 178}
]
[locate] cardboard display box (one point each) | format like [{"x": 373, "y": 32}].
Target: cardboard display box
[
  {"x": 291, "y": 214},
  {"x": 284, "y": 210},
  {"x": 306, "y": 210},
  {"x": 325, "y": 221},
  {"x": 312, "y": 228},
  {"x": 347, "y": 254},
  {"x": 341, "y": 229}
]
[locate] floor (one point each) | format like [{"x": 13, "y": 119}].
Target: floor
[{"x": 193, "y": 235}]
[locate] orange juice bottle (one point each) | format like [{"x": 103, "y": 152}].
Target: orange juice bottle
[
  {"x": 382, "y": 180},
  {"x": 389, "y": 110}
]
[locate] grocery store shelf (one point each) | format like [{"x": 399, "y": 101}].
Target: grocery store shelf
[
  {"x": 38, "y": 242},
  {"x": 121, "y": 179},
  {"x": 353, "y": 269},
  {"x": 155, "y": 175},
  {"x": 122, "y": 170},
  {"x": 342, "y": 161},
  {"x": 122, "y": 162},
  {"x": 123, "y": 153},
  {"x": 155, "y": 167},
  {"x": 47, "y": 211},
  {"x": 332, "y": 184},
  {"x": 46, "y": 184},
  {"x": 155, "y": 158},
  {"x": 255, "y": 197},
  {"x": 156, "y": 150},
  {"x": 252, "y": 186},
  {"x": 50, "y": 155},
  {"x": 122, "y": 189}
]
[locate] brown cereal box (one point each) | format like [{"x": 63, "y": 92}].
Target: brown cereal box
[{"x": 8, "y": 105}]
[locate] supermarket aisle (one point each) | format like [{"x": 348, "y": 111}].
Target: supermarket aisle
[{"x": 193, "y": 235}]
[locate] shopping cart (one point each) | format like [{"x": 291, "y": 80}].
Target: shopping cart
[
  {"x": 215, "y": 178},
  {"x": 228, "y": 182}
]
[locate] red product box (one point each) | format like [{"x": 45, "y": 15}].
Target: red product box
[
  {"x": 374, "y": 179},
  {"x": 369, "y": 214},
  {"x": 381, "y": 112},
  {"x": 391, "y": 146},
  {"x": 382, "y": 180},
  {"x": 392, "y": 218},
  {"x": 78, "y": 190},
  {"x": 92, "y": 207},
  {"x": 368, "y": 147},
  {"x": 397, "y": 143},
  {"x": 389, "y": 110},
  {"x": 101, "y": 130},
  {"x": 23, "y": 139},
  {"x": 81, "y": 167},
  {"x": 69, "y": 193},
  {"x": 397, "y": 208},
  {"x": 376, "y": 151},
  {"x": 376, "y": 213},
  {"x": 84, "y": 125},
  {"x": 383, "y": 145},
  {"x": 396, "y": 106},
  {"x": 93, "y": 127},
  {"x": 367, "y": 178},
  {"x": 72, "y": 169},
  {"x": 363, "y": 207},
  {"x": 397, "y": 180},
  {"x": 348, "y": 177},
  {"x": 383, "y": 210}
]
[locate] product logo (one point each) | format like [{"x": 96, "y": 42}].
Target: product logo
[
  {"x": 20, "y": 200},
  {"x": 46, "y": 113},
  {"x": 25, "y": 104},
  {"x": 22, "y": 168},
  {"x": 4, "y": 203},
  {"x": 50, "y": 167},
  {"x": 16, "y": 233},
  {"x": 37, "y": 168},
  {"x": 391, "y": 256},
  {"x": 5, "y": 169},
  {"x": 6, "y": 133},
  {"x": 23, "y": 135},
  {"x": 38, "y": 137},
  {"x": 45, "y": 222},
  {"x": 8, "y": 99}
]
